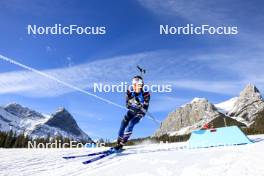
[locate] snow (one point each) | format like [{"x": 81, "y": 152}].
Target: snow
[
  {"x": 182, "y": 131},
  {"x": 226, "y": 106},
  {"x": 196, "y": 99},
  {"x": 141, "y": 160},
  {"x": 18, "y": 124},
  {"x": 7, "y": 120}
]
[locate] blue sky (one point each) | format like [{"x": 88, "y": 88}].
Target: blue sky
[{"x": 212, "y": 66}]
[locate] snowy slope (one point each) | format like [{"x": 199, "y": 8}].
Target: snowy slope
[
  {"x": 141, "y": 160},
  {"x": 226, "y": 106}
]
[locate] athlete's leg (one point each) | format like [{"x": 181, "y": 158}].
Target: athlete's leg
[
  {"x": 130, "y": 127},
  {"x": 123, "y": 126}
]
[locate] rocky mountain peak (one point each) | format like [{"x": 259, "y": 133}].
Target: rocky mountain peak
[
  {"x": 64, "y": 120},
  {"x": 199, "y": 100},
  {"x": 200, "y": 104},
  {"x": 198, "y": 111},
  {"x": 22, "y": 119},
  {"x": 248, "y": 104},
  {"x": 61, "y": 110},
  {"x": 22, "y": 112},
  {"x": 250, "y": 92},
  {"x": 245, "y": 110}
]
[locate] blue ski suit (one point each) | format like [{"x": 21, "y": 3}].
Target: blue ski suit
[{"x": 138, "y": 104}]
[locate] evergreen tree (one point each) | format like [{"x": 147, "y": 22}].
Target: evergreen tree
[{"x": 8, "y": 140}]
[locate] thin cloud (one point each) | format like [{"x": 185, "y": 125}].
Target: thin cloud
[
  {"x": 203, "y": 11},
  {"x": 194, "y": 11},
  {"x": 83, "y": 76},
  {"x": 217, "y": 72}
]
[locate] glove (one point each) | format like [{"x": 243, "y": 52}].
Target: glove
[
  {"x": 140, "y": 115},
  {"x": 143, "y": 111}
]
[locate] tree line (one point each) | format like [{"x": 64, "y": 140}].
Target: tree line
[{"x": 13, "y": 140}]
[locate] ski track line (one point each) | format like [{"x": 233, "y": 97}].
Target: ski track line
[{"x": 107, "y": 163}]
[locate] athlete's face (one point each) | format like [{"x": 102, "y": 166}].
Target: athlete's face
[
  {"x": 137, "y": 87},
  {"x": 137, "y": 84}
]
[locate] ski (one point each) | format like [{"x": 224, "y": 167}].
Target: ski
[
  {"x": 108, "y": 153},
  {"x": 90, "y": 154}
]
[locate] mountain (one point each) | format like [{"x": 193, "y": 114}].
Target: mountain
[
  {"x": 226, "y": 106},
  {"x": 61, "y": 123},
  {"x": 22, "y": 119},
  {"x": 22, "y": 112},
  {"x": 248, "y": 107},
  {"x": 245, "y": 110},
  {"x": 193, "y": 116}
]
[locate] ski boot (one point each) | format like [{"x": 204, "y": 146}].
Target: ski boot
[{"x": 119, "y": 145}]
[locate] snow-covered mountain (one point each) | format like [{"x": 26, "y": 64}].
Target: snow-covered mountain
[
  {"x": 193, "y": 116},
  {"x": 22, "y": 119},
  {"x": 245, "y": 110},
  {"x": 227, "y": 105}
]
